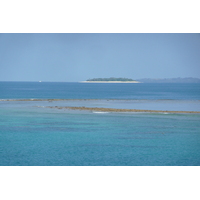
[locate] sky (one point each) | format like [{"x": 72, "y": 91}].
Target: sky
[{"x": 72, "y": 57}]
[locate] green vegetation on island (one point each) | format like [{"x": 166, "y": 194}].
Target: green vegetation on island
[{"x": 111, "y": 79}]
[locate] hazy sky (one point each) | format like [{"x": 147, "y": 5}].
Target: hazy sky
[{"x": 77, "y": 57}]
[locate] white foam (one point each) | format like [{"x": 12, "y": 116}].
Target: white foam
[{"x": 99, "y": 112}]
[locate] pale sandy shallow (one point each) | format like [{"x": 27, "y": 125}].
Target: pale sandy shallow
[
  {"x": 97, "y": 105},
  {"x": 118, "y": 110}
]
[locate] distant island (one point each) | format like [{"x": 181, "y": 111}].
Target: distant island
[
  {"x": 111, "y": 80},
  {"x": 170, "y": 80}
]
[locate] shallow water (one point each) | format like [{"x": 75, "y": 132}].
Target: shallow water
[
  {"x": 34, "y": 136},
  {"x": 170, "y": 105}
]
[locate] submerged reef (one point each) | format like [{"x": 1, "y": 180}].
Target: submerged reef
[{"x": 118, "y": 110}]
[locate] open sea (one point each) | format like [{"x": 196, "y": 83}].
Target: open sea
[{"x": 33, "y": 134}]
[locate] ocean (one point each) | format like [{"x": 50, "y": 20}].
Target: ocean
[{"x": 34, "y": 132}]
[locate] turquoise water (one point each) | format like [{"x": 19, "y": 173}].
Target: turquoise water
[
  {"x": 32, "y": 134},
  {"x": 53, "y": 137}
]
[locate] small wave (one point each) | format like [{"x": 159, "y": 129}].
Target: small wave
[{"x": 100, "y": 112}]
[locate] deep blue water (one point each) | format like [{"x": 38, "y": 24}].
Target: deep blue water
[
  {"x": 40, "y": 136},
  {"x": 27, "y": 90}
]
